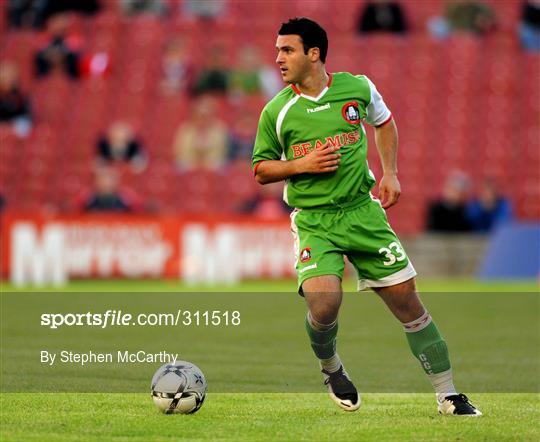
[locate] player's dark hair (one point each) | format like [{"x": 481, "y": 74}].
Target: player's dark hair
[{"x": 311, "y": 33}]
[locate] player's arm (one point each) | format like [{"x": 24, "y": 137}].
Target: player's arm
[
  {"x": 320, "y": 160},
  {"x": 267, "y": 151},
  {"x": 386, "y": 139}
]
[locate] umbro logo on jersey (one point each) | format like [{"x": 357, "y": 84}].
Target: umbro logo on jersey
[{"x": 318, "y": 108}]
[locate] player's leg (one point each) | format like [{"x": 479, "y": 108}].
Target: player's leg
[
  {"x": 323, "y": 296},
  {"x": 426, "y": 344},
  {"x": 425, "y": 341},
  {"x": 383, "y": 265},
  {"x": 320, "y": 265}
]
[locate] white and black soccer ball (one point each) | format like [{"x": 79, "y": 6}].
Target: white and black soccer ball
[{"x": 179, "y": 388}]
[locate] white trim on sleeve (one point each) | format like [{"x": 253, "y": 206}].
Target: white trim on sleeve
[{"x": 377, "y": 111}]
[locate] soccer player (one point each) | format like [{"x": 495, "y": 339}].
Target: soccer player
[{"x": 311, "y": 135}]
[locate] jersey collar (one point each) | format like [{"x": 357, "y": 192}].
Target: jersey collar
[{"x": 299, "y": 92}]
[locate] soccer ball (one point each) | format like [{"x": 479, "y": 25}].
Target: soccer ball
[{"x": 178, "y": 388}]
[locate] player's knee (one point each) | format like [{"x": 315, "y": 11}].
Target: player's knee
[
  {"x": 323, "y": 316},
  {"x": 404, "y": 305},
  {"x": 403, "y": 300}
]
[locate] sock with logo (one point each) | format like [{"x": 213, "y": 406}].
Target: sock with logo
[
  {"x": 428, "y": 346},
  {"x": 323, "y": 342}
]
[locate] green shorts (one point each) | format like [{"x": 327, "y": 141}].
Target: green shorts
[{"x": 358, "y": 230}]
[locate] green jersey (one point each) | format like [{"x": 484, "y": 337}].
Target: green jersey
[{"x": 293, "y": 124}]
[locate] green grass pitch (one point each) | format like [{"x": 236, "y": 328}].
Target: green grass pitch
[
  {"x": 264, "y": 417},
  {"x": 509, "y": 414}
]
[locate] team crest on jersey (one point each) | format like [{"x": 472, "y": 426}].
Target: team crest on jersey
[
  {"x": 305, "y": 254},
  {"x": 350, "y": 112}
]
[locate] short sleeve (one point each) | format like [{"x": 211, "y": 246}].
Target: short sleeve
[
  {"x": 377, "y": 111},
  {"x": 267, "y": 146}
]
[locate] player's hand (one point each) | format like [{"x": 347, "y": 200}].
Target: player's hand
[
  {"x": 321, "y": 160},
  {"x": 389, "y": 191}
]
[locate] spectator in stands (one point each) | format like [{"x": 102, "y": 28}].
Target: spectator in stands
[
  {"x": 134, "y": 7},
  {"x": 242, "y": 137},
  {"x": 120, "y": 144},
  {"x": 25, "y": 13},
  {"x": 448, "y": 214},
  {"x": 88, "y": 7},
  {"x": 251, "y": 76},
  {"x": 529, "y": 29},
  {"x": 268, "y": 204},
  {"x": 489, "y": 209},
  {"x": 205, "y": 9},
  {"x": 35, "y": 13},
  {"x": 177, "y": 71},
  {"x": 470, "y": 17},
  {"x": 214, "y": 77},
  {"x": 106, "y": 195},
  {"x": 61, "y": 50},
  {"x": 201, "y": 141},
  {"x": 382, "y": 16},
  {"x": 14, "y": 105}
]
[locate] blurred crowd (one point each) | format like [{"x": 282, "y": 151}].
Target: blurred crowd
[
  {"x": 471, "y": 17},
  {"x": 203, "y": 139},
  {"x": 459, "y": 210}
]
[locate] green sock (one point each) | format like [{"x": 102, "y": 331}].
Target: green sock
[
  {"x": 429, "y": 348},
  {"x": 322, "y": 342}
]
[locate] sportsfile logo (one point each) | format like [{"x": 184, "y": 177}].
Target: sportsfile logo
[
  {"x": 115, "y": 318},
  {"x": 318, "y": 108}
]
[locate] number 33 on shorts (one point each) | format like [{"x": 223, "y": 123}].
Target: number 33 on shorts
[{"x": 394, "y": 252}]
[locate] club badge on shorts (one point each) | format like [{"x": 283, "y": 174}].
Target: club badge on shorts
[{"x": 305, "y": 254}]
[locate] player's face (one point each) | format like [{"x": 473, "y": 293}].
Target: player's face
[{"x": 291, "y": 59}]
